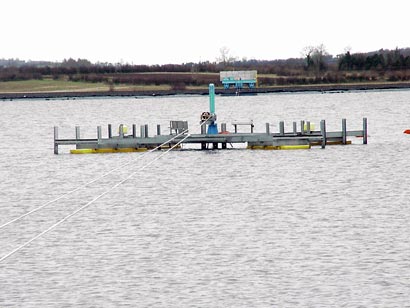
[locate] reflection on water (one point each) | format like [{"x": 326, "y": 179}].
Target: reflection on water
[{"x": 232, "y": 228}]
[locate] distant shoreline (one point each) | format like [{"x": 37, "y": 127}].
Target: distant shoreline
[{"x": 260, "y": 90}]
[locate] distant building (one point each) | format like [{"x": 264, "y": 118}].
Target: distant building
[{"x": 238, "y": 79}]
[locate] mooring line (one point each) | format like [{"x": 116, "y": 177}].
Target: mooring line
[
  {"x": 89, "y": 183},
  {"x": 91, "y": 202}
]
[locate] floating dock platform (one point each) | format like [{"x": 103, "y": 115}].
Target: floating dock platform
[
  {"x": 303, "y": 136},
  {"x": 210, "y": 137}
]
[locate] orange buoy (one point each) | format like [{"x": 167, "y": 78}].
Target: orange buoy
[{"x": 407, "y": 131}]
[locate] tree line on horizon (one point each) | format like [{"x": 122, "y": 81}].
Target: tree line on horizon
[{"x": 317, "y": 66}]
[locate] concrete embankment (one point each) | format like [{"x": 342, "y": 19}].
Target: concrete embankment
[{"x": 276, "y": 89}]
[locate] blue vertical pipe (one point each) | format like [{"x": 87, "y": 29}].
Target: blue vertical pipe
[
  {"x": 212, "y": 127},
  {"x": 211, "y": 98}
]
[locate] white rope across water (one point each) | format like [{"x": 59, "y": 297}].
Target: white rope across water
[
  {"x": 90, "y": 182},
  {"x": 90, "y": 202}
]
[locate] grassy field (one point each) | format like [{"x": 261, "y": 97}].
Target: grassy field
[{"x": 50, "y": 85}]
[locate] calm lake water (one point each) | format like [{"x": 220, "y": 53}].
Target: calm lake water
[{"x": 237, "y": 228}]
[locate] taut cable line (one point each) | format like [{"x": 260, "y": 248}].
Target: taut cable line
[
  {"x": 90, "y": 182},
  {"x": 90, "y": 202}
]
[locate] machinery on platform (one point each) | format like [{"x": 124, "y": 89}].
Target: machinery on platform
[{"x": 209, "y": 118}]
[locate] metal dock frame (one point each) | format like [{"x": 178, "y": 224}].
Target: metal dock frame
[{"x": 304, "y": 136}]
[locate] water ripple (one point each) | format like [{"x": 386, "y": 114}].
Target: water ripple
[{"x": 318, "y": 228}]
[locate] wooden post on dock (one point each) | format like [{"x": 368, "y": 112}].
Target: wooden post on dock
[
  {"x": 302, "y": 127},
  {"x": 295, "y": 128},
  {"x": 109, "y": 131},
  {"x": 364, "y": 130},
  {"x": 77, "y": 132},
  {"x": 134, "y": 131},
  {"x": 267, "y": 128},
  {"x": 323, "y": 132},
  {"x": 308, "y": 127},
  {"x": 158, "y": 130},
  {"x": 344, "y": 132},
  {"x": 55, "y": 140},
  {"x": 282, "y": 128},
  {"x": 99, "y": 133}
]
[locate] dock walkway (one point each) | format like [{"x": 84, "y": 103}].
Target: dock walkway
[{"x": 303, "y": 137}]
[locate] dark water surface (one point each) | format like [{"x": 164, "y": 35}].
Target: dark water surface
[{"x": 237, "y": 228}]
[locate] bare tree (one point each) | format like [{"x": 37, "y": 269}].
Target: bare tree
[
  {"x": 225, "y": 56},
  {"x": 315, "y": 57}
]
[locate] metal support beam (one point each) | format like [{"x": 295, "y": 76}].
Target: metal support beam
[
  {"x": 282, "y": 128},
  {"x": 146, "y": 130},
  {"x": 323, "y": 132},
  {"x": 55, "y": 138},
  {"x": 203, "y": 129},
  {"x": 142, "y": 131},
  {"x": 121, "y": 131},
  {"x": 134, "y": 131},
  {"x": 77, "y": 133},
  {"x": 344, "y": 139},
  {"x": 99, "y": 135}
]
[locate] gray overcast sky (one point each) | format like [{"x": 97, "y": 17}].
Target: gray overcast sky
[{"x": 178, "y": 31}]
